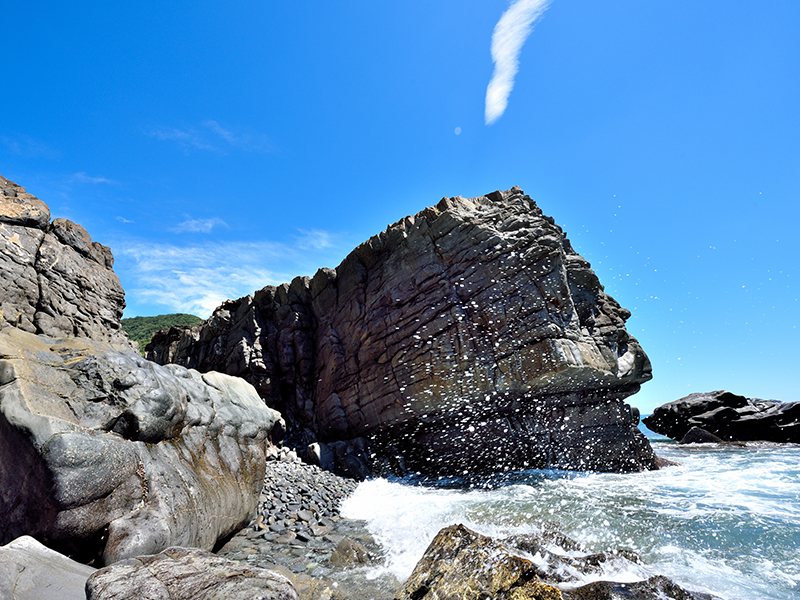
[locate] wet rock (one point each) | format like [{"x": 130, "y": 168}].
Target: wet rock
[
  {"x": 31, "y": 571},
  {"x": 104, "y": 455},
  {"x": 470, "y": 333},
  {"x": 349, "y": 553},
  {"x": 696, "y": 435},
  {"x": 187, "y": 574},
  {"x": 655, "y": 588},
  {"x": 54, "y": 280},
  {"x": 460, "y": 563},
  {"x": 728, "y": 416}
]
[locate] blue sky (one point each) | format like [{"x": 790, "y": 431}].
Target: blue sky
[{"x": 219, "y": 147}]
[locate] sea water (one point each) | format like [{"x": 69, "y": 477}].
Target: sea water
[{"x": 724, "y": 520}]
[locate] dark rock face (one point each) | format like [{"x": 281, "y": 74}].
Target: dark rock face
[
  {"x": 53, "y": 279},
  {"x": 104, "y": 455},
  {"x": 468, "y": 335},
  {"x": 729, "y": 417},
  {"x": 187, "y": 574}
]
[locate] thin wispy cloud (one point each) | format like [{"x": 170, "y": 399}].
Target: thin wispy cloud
[
  {"x": 183, "y": 137},
  {"x": 244, "y": 140},
  {"x": 198, "y": 278},
  {"x": 315, "y": 238},
  {"x": 510, "y": 33},
  {"x": 27, "y": 147},
  {"x": 199, "y": 225},
  {"x": 123, "y": 220},
  {"x": 84, "y": 178},
  {"x": 212, "y": 136}
]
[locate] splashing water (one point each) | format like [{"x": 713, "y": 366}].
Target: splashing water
[{"x": 726, "y": 520}]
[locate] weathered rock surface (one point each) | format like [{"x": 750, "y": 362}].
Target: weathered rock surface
[
  {"x": 460, "y": 563},
  {"x": 729, "y": 417},
  {"x": 468, "y": 334},
  {"x": 187, "y": 574},
  {"x": 54, "y": 280},
  {"x": 103, "y": 452},
  {"x": 31, "y": 571}
]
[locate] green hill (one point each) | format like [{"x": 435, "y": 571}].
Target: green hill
[{"x": 141, "y": 329}]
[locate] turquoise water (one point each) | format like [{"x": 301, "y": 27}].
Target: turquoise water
[{"x": 725, "y": 520}]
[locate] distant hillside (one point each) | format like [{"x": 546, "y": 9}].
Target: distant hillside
[{"x": 141, "y": 329}]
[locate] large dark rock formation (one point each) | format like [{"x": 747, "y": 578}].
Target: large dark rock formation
[
  {"x": 729, "y": 417},
  {"x": 53, "y": 279},
  {"x": 470, "y": 336}
]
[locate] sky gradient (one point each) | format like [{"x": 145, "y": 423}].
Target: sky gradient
[{"x": 220, "y": 148}]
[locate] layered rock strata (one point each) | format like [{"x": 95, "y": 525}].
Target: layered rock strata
[
  {"x": 104, "y": 455},
  {"x": 54, "y": 280},
  {"x": 468, "y": 336},
  {"x": 728, "y": 417}
]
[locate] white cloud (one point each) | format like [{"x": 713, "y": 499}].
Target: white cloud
[
  {"x": 124, "y": 220},
  {"x": 187, "y": 138},
  {"x": 198, "y": 225},
  {"x": 28, "y": 147},
  {"x": 315, "y": 238},
  {"x": 84, "y": 178},
  {"x": 198, "y": 278},
  {"x": 510, "y": 33},
  {"x": 245, "y": 140},
  {"x": 212, "y": 136}
]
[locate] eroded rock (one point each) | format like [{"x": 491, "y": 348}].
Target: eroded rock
[
  {"x": 470, "y": 335},
  {"x": 104, "y": 455}
]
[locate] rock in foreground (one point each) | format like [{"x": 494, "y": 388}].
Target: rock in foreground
[
  {"x": 729, "y": 417},
  {"x": 105, "y": 453},
  {"x": 460, "y": 563},
  {"x": 187, "y": 574},
  {"x": 31, "y": 571},
  {"x": 470, "y": 335}
]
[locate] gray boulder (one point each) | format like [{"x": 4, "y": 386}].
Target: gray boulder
[
  {"x": 54, "y": 280},
  {"x": 468, "y": 334},
  {"x": 31, "y": 571},
  {"x": 728, "y": 416},
  {"x": 187, "y": 574},
  {"x": 104, "y": 455}
]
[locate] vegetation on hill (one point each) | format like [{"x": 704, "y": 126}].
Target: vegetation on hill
[{"x": 141, "y": 329}]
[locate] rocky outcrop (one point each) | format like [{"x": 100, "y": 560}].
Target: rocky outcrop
[
  {"x": 104, "y": 455},
  {"x": 470, "y": 334},
  {"x": 31, "y": 571},
  {"x": 729, "y": 417},
  {"x": 187, "y": 574},
  {"x": 54, "y": 280},
  {"x": 460, "y": 563}
]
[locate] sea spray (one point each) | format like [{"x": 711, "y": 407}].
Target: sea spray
[{"x": 725, "y": 520}]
